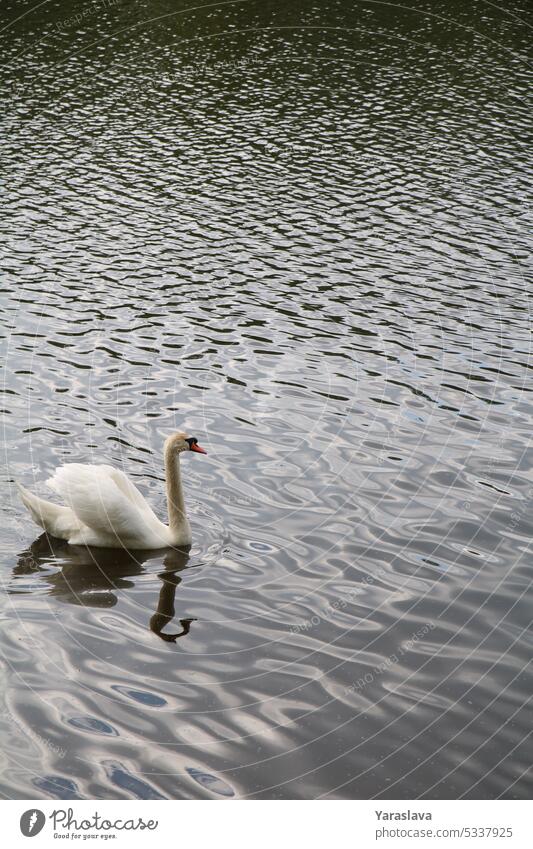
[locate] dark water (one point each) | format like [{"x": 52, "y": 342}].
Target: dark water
[{"x": 299, "y": 232}]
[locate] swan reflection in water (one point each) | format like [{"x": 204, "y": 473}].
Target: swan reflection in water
[{"x": 92, "y": 576}]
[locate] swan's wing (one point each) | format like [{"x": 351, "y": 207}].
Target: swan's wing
[
  {"x": 101, "y": 503},
  {"x": 129, "y": 489},
  {"x": 56, "y": 520}
]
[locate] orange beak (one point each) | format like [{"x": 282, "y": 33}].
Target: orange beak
[{"x": 198, "y": 448}]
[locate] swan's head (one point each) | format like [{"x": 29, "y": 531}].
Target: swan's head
[{"x": 178, "y": 442}]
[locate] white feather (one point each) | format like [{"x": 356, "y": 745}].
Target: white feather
[
  {"x": 109, "y": 507},
  {"x": 56, "y": 520}
]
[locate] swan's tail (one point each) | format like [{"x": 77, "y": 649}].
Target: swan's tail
[{"x": 55, "y": 520}]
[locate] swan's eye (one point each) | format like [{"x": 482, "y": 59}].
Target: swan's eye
[{"x": 192, "y": 441}]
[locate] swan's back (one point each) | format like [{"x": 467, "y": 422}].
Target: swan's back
[{"x": 109, "y": 505}]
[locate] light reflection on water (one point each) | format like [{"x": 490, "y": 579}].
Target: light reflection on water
[{"x": 305, "y": 243}]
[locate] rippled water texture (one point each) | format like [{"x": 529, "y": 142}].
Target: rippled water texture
[{"x": 298, "y": 231}]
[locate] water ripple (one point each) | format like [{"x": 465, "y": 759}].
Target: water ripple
[{"x": 307, "y": 244}]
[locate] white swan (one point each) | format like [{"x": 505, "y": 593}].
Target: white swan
[{"x": 105, "y": 509}]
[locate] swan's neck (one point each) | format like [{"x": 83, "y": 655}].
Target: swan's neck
[{"x": 177, "y": 518}]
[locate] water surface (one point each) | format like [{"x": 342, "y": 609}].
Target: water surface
[{"x": 299, "y": 232}]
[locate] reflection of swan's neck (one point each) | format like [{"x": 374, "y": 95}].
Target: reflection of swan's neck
[{"x": 177, "y": 518}]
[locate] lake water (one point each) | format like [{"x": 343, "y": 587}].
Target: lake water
[{"x": 297, "y": 231}]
